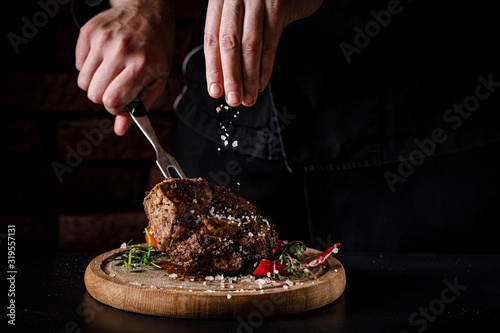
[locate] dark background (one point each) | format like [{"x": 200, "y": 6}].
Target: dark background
[{"x": 98, "y": 205}]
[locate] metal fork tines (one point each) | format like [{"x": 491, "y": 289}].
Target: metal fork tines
[{"x": 165, "y": 161}]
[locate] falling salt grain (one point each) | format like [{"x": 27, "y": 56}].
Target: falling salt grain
[
  {"x": 123, "y": 246},
  {"x": 235, "y": 144},
  {"x": 228, "y": 296}
]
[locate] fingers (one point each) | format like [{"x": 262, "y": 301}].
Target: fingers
[
  {"x": 240, "y": 42},
  {"x": 92, "y": 62},
  {"x": 215, "y": 83},
  {"x": 230, "y": 51},
  {"x": 271, "y": 35},
  {"x": 103, "y": 76},
  {"x": 251, "y": 51},
  {"x": 82, "y": 48}
]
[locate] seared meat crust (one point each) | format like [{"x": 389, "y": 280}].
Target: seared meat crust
[{"x": 206, "y": 229}]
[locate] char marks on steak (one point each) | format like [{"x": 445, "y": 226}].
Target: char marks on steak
[{"x": 207, "y": 229}]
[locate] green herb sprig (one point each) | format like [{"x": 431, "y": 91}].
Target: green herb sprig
[{"x": 136, "y": 256}]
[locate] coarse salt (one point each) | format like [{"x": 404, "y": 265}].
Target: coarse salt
[{"x": 228, "y": 296}]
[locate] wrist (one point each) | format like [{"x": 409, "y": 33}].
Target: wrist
[{"x": 163, "y": 8}]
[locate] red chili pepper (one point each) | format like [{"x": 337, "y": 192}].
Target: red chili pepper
[
  {"x": 270, "y": 266},
  {"x": 150, "y": 240},
  {"x": 320, "y": 259}
]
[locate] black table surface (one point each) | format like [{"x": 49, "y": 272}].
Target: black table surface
[{"x": 385, "y": 292}]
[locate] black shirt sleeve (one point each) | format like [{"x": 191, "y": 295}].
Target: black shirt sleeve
[{"x": 84, "y": 10}]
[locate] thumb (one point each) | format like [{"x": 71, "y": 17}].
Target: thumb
[{"x": 122, "y": 124}]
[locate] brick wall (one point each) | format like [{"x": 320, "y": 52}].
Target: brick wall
[{"x": 95, "y": 201}]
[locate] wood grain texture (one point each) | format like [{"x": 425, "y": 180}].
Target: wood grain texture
[{"x": 157, "y": 293}]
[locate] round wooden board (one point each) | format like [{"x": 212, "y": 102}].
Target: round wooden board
[{"x": 155, "y": 292}]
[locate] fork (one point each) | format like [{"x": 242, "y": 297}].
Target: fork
[{"x": 137, "y": 111}]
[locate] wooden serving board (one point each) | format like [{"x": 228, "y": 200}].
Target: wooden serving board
[{"x": 156, "y": 292}]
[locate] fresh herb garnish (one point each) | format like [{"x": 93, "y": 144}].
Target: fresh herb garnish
[
  {"x": 136, "y": 256},
  {"x": 287, "y": 259}
]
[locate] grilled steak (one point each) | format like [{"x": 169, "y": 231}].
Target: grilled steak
[{"x": 207, "y": 229}]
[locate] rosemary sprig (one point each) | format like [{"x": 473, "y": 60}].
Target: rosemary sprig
[{"x": 136, "y": 256}]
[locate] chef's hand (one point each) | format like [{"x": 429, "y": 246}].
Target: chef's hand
[
  {"x": 241, "y": 37},
  {"x": 124, "y": 49}
]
